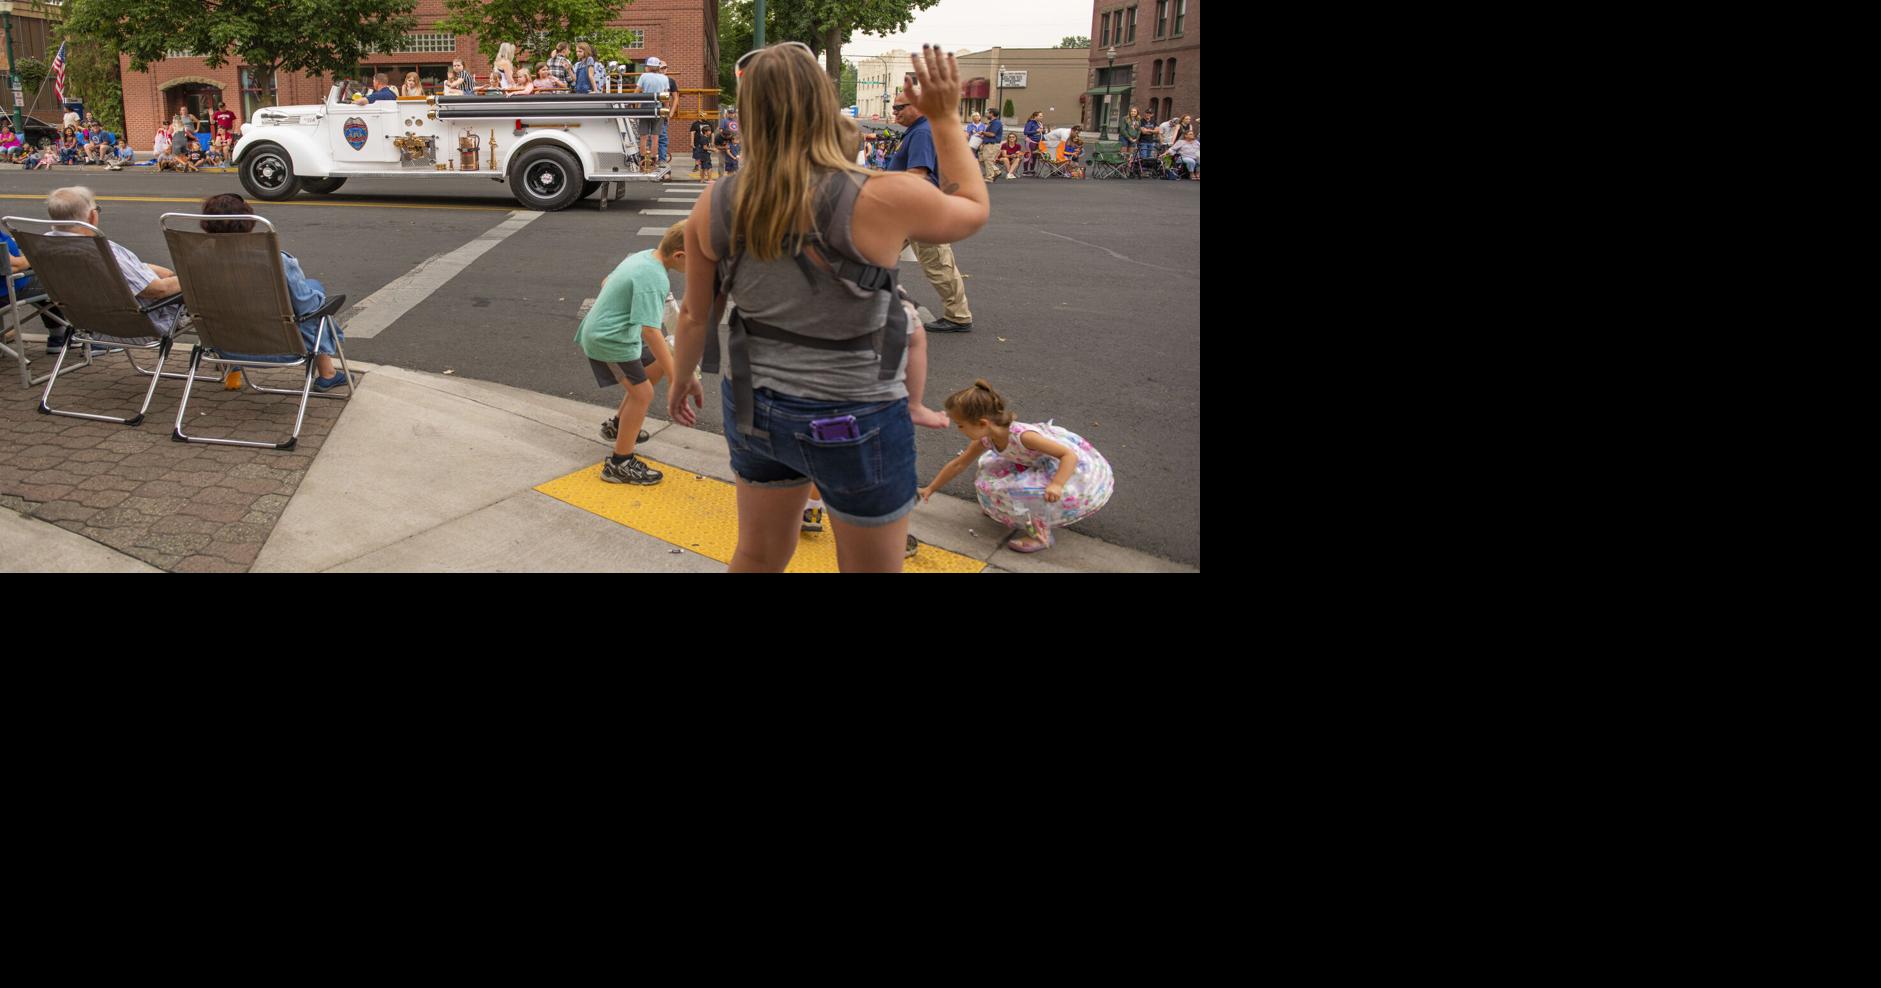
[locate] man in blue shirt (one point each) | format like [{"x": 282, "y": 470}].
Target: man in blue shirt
[
  {"x": 383, "y": 90},
  {"x": 989, "y": 147},
  {"x": 655, "y": 81},
  {"x": 916, "y": 155}
]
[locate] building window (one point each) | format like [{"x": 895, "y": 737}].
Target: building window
[
  {"x": 1105, "y": 40},
  {"x": 179, "y": 53},
  {"x": 1156, "y": 76},
  {"x": 430, "y": 74},
  {"x": 1170, "y": 79},
  {"x": 1162, "y": 15},
  {"x": 257, "y": 91},
  {"x": 1130, "y": 25},
  {"x": 1168, "y": 108},
  {"x": 1182, "y": 13},
  {"x": 429, "y": 43}
]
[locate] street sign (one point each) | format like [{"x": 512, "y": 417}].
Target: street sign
[{"x": 1012, "y": 79}]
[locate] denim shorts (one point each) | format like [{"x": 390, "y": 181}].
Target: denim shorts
[{"x": 868, "y": 481}]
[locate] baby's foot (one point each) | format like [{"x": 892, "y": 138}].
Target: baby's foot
[
  {"x": 1027, "y": 544},
  {"x": 928, "y": 417}
]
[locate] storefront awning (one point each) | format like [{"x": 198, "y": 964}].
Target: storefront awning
[
  {"x": 1106, "y": 90},
  {"x": 188, "y": 80}
]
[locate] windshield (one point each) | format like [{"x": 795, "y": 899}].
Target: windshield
[{"x": 346, "y": 91}]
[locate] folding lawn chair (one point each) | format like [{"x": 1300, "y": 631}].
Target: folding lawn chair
[
  {"x": 238, "y": 302},
  {"x": 81, "y": 274},
  {"x": 21, "y": 306},
  {"x": 1106, "y": 161},
  {"x": 1051, "y": 161}
]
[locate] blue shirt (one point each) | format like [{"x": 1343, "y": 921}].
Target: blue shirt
[
  {"x": 383, "y": 94},
  {"x": 995, "y": 130},
  {"x": 917, "y": 151},
  {"x": 655, "y": 82},
  {"x": 25, "y": 286}
]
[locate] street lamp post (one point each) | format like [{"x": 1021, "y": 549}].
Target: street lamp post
[
  {"x": 757, "y": 41},
  {"x": 1110, "y": 77},
  {"x": 1001, "y": 109}
]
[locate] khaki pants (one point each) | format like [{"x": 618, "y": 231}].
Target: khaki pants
[
  {"x": 987, "y": 153},
  {"x": 937, "y": 262}
]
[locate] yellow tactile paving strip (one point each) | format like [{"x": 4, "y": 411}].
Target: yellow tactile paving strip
[{"x": 700, "y": 514}]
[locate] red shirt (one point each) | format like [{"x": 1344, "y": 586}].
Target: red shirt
[{"x": 224, "y": 120}]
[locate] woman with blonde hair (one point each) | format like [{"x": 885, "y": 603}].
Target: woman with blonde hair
[
  {"x": 503, "y": 69},
  {"x": 808, "y": 245}
]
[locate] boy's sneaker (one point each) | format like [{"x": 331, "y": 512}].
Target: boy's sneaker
[
  {"x": 610, "y": 431},
  {"x": 813, "y": 519},
  {"x": 629, "y": 471}
]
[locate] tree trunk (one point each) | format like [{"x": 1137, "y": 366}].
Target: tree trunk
[{"x": 833, "y": 52}]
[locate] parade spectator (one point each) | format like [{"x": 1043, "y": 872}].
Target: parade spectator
[
  {"x": 1011, "y": 153},
  {"x": 917, "y": 154},
  {"x": 147, "y": 281},
  {"x": 222, "y": 121},
  {"x": 160, "y": 144},
  {"x": 701, "y": 132},
  {"x": 190, "y": 122},
  {"x": 307, "y": 294},
  {"x": 727, "y": 146},
  {"x": 622, "y": 338},
  {"x": 70, "y": 153},
  {"x": 1127, "y": 133},
  {"x": 1146, "y": 141},
  {"x": 976, "y": 126},
  {"x": 1034, "y": 128},
  {"x": 218, "y": 153},
  {"x": 560, "y": 67},
  {"x": 589, "y": 74},
  {"x": 1034, "y": 479},
  {"x": 1166, "y": 132},
  {"x": 1188, "y": 154},
  {"x": 802, "y": 414},
  {"x": 503, "y": 69},
  {"x": 71, "y": 119},
  {"x": 27, "y": 287},
  {"x": 522, "y": 83},
  {"x": 655, "y": 81},
  {"x": 1074, "y": 153},
  {"x": 546, "y": 82},
  {"x": 989, "y": 149},
  {"x": 412, "y": 89},
  {"x": 126, "y": 155},
  {"x": 48, "y": 155}
]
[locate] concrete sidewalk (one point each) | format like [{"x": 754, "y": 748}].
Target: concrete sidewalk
[{"x": 433, "y": 473}]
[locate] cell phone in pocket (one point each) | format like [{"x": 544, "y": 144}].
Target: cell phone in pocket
[{"x": 836, "y": 429}]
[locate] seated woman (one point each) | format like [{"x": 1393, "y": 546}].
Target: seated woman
[
  {"x": 10, "y": 143},
  {"x": 308, "y": 295},
  {"x": 1010, "y": 153},
  {"x": 1188, "y": 154}
]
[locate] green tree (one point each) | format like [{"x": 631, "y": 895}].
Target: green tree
[
  {"x": 536, "y": 25},
  {"x": 824, "y": 25},
  {"x": 847, "y": 95},
  {"x": 1008, "y": 114},
  {"x": 318, "y": 37},
  {"x": 1075, "y": 41},
  {"x": 33, "y": 73}
]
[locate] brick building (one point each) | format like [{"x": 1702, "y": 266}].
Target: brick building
[
  {"x": 674, "y": 30},
  {"x": 1159, "y": 61}
]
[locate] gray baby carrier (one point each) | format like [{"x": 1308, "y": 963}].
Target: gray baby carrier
[{"x": 825, "y": 296}]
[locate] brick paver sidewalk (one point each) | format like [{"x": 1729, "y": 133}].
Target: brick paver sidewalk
[{"x": 177, "y": 506}]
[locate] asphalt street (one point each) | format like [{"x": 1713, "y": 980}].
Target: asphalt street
[{"x": 1086, "y": 302}]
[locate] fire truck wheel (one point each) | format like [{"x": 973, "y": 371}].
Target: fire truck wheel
[
  {"x": 322, "y": 186},
  {"x": 589, "y": 188},
  {"x": 268, "y": 173},
  {"x": 545, "y": 178}
]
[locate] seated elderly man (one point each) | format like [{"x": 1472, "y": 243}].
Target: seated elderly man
[{"x": 147, "y": 281}]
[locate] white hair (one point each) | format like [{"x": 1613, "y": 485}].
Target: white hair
[{"x": 71, "y": 203}]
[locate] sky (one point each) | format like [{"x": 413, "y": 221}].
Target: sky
[{"x": 982, "y": 24}]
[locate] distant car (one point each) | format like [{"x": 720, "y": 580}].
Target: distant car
[{"x": 551, "y": 149}]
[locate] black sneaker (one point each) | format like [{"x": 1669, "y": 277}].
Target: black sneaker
[
  {"x": 914, "y": 546},
  {"x": 949, "y": 326},
  {"x": 813, "y": 519},
  {"x": 630, "y": 471},
  {"x": 610, "y": 431}
]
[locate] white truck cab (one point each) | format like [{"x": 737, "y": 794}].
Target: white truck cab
[{"x": 552, "y": 149}]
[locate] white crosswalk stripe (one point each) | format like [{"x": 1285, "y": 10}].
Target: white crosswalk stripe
[{"x": 666, "y": 212}]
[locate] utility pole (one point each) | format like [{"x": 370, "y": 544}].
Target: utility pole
[
  {"x": 758, "y": 40},
  {"x": 13, "y": 72}
]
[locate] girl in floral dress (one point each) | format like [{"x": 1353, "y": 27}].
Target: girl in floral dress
[{"x": 1033, "y": 478}]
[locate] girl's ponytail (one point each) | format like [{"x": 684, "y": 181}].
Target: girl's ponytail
[{"x": 979, "y": 402}]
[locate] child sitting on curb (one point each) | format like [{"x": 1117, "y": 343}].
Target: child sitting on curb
[{"x": 622, "y": 340}]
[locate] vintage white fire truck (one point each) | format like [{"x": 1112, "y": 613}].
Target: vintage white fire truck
[{"x": 551, "y": 149}]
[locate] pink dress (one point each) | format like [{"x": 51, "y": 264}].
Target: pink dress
[{"x": 1011, "y": 484}]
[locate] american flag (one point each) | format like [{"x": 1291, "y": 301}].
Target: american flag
[{"x": 58, "y": 73}]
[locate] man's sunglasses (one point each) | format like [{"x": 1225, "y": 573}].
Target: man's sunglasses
[{"x": 738, "y": 70}]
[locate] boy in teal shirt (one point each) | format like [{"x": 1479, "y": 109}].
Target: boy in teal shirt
[{"x": 621, "y": 336}]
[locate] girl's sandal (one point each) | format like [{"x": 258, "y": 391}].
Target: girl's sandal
[{"x": 1027, "y": 545}]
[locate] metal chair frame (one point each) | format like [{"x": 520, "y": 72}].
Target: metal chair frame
[
  {"x": 11, "y": 318},
  {"x": 307, "y": 360},
  {"x": 85, "y": 338}
]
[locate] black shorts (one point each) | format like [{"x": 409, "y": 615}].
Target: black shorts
[{"x": 608, "y": 373}]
